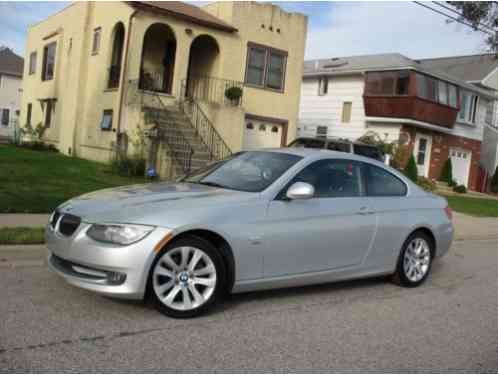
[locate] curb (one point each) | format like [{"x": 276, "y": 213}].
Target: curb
[{"x": 35, "y": 247}]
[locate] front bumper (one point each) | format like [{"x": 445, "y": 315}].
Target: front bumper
[{"x": 116, "y": 271}]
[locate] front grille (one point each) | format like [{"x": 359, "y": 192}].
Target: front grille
[
  {"x": 55, "y": 217},
  {"x": 69, "y": 224}
]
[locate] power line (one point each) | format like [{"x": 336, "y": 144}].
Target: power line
[
  {"x": 454, "y": 18},
  {"x": 461, "y": 15}
]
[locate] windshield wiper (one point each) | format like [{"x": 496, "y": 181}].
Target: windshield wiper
[{"x": 213, "y": 184}]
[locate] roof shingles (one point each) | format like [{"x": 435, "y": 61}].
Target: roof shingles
[
  {"x": 10, "y": 63},
  {"x": 184, "y": 11}
]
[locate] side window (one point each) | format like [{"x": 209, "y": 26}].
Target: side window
[
  {"x": 381, "y": 183},
  {"x": 332, "y": 178}
]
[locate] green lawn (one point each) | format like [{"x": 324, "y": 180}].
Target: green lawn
[
  {"x": 21, "y": 236},
  {"x": 38, "y": 181},
  {"x": 473, "y": 206}
]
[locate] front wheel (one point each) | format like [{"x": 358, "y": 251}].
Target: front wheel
[
  {"x": 187, "y": 278},
  {"x": 415, "y": 260}
]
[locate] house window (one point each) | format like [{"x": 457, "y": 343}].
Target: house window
[
  {"x": 106, "y": 123},
  {"x": 489, "y": 112},
  {"x": 96, "y": 41},
  {"x": 116, "y": 57},
  {"x": 48, "y": 113},
  {"x": 5, "y": 117},
  {"x": 32, "y": 63},
  {"x": 28, "y": 113},
  {"x": 48, "y": 62},
  {"x": 387, "y": 83},
  {"x": 276, "y": 69},
  {"x": 346, "y": 112},
  {"x": 265, "y": 67},
  {"x": 442, "y": 92},
  {"x": 452, "y": 96},
  {"x": 321, "y": 131},
  {"x": 468, "y": 107},
  {"x": 323, "y": 86},
  {"x": 402, "y": 83},
  {"x": 437, "y": 91},
  {"x": 256, "y": 66}
]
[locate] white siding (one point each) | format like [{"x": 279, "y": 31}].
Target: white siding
[
  {"x": 473, "y": 131},
  {"x": 326, "y": 110},
  {"x": 489, "y": 149},
  {"x": 10, "y": 98}
]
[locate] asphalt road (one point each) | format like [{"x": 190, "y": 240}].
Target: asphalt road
[{"x": 448, "y": 324}]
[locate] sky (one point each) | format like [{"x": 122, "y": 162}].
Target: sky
[{"x": 335, "y": 29}]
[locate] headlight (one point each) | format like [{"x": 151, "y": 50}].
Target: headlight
[{"x": 121, "y": 234}]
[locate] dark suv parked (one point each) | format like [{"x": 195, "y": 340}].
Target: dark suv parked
[{"x": 339, "y": 144}]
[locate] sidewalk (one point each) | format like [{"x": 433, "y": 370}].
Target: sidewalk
[
  {"x": 474, "y": 228},
  {"x": 23, "y": 220}
]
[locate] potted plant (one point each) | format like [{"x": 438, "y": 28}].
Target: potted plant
[{"x": 233, "y": 94}]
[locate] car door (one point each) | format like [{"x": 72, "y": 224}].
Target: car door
[
  {"x": 393, "y": 210},
  {"x": 334, "y": 229}
]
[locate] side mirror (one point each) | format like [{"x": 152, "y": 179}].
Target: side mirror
[{"x": 300, "y": 190}]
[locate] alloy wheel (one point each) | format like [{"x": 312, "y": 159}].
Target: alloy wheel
[
  {"x": 184, "y": 278},
  {"x": 416, "y": 260}
]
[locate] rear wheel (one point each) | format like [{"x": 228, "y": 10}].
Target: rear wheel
[
  {"x": 415, "y": 260},
  {"x": 187, "y": 277}
]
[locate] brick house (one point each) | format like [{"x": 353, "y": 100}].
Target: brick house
[{"x": 438, "y": 115}]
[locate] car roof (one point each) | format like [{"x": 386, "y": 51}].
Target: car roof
[
  {"x": 316, "y": 153},
  {"x": 334, "y": 139}
]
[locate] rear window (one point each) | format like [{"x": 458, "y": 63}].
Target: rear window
[
  {"x": 308, "y": 143},
  {"x": 381, "y": 183},
  {"x": 368, "y": 151}
]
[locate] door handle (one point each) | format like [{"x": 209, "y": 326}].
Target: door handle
[{"x": 365, "y": 211}]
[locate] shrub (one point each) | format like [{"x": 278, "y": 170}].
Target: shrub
[
  {"x": 410, "y": 170},
  {"x": 446, "y": 173},
  {"x": 128, "y": 166},
  {"x": 426, "y": 184},
  {"x": 494, "y": 182},
  {"x": 452, "y": 183},
  {"x": 233, "y": 93},
  {"x": 460, "y": 189},
  {"x": 38, "y": 146}
]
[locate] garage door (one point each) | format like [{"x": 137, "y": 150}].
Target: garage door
[
  {"x": 258, "y": 134},
  {"x": 460, "y": 162}
]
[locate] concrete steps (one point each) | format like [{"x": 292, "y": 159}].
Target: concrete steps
[{"x": 176, "y": 128}]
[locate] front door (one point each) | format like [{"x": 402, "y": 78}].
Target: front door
[
  {"x": 460, "y": 163},
  {"x": 422, "y": 153},
  {"x": 332, "y": 230}
]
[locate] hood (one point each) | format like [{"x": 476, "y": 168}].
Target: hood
[{"x": 148, "y": 203}]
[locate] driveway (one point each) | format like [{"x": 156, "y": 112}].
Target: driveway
[{"x": 448, "y": 324}]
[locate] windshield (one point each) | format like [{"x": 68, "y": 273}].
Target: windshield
[{"x": 251, "y": 171}]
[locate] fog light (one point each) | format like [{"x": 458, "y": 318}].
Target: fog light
[{"x": 116, "y": 278}]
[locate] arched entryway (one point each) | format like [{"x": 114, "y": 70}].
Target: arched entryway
[
  {"x": 158, "y": 59},
  {"x": 118, "y": 36},
  {"x": 203, "y": 68}
]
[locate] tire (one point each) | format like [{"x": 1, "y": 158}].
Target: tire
[
  {"x": 187, "y": 278},
  {"x": 415, "y": 260}
]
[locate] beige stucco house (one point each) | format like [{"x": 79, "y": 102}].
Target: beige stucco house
[{"x": 98, "y": 74}]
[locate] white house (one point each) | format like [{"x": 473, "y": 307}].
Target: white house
[
  {"x": 438, "y": 115},
  {"x": 11, "y": 68}
]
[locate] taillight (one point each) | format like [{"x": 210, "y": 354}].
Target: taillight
[{"x": 449, "y": 212}]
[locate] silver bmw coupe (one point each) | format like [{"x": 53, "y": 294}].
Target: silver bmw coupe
[{"x": 257, "y": 220}]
